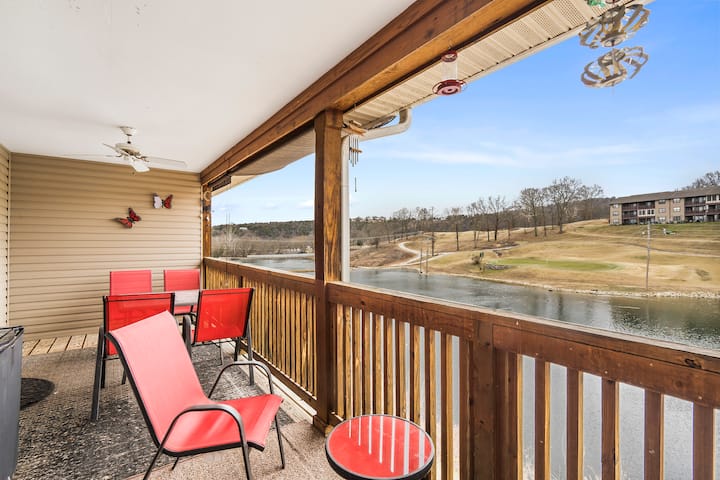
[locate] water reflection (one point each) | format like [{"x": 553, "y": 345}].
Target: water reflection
[{"x": 691, "y": 321}]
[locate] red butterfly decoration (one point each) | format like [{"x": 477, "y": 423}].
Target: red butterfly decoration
[
  {"x": 130, "y": 219},
  {"x": 132, "y": 216},
  {"x": 125, "y": 221},
  {"x": 160, "y": 203}
]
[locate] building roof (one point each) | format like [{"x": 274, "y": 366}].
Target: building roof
[{"x": 649, "y": 197}]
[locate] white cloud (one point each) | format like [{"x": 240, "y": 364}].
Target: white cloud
[
  {"x": 538, "y": 153},
  {"x": 307, "y": 204}
]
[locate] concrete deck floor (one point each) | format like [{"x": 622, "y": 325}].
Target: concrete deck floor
[{"x": 303, "y": 445}]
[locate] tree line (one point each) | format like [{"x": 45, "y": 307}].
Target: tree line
[{"x": 563, "y": 201}]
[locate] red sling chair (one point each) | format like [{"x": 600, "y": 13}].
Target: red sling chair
[
  {"x": 130, "y": 281},
  {"x": 182, "y": 420},
  {"x": 118, "y": 311},
  {"x": 223, "y": 315}
]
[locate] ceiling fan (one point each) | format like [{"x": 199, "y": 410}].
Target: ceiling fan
[{"x": 132, "y": 155}]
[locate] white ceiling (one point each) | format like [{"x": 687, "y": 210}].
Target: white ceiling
[{"x": 193, "y": 77}]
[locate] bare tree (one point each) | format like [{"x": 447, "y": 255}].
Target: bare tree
[
  {"x": 454, "y": 215},
  {"x": 588, "y": 196},
  {"x": 482, "y": 210},
  {"x": 403, "y": 217},
  {"x": 496, "y": 206},
  {"x": 530, "y": 203},
  {"x": 424, "y": 218},
  {"x": 508, "y": 214},
  {"x": 544, "y": 207},
  {"x": 710, "y": 179},
  {"x": 563, "y": 193},
  {"x": 473, "y": 211}
]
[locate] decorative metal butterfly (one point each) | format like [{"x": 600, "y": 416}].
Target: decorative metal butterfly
[
  {"x": 128, "y": 221},
  {"x": 160, "y": 203}
]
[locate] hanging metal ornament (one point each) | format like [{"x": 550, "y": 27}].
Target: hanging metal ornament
[
  {"x": 614, "y": 67},
  {"x": 354, "y": 149},
  {"x": 450, "y": 84},
  {"x": 615, "y": 26}
]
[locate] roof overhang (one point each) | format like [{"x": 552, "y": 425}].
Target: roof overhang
[{"x": 489, "y": 36}]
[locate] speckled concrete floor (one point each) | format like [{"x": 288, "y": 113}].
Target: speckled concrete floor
[{"x": 57, "y": 440}]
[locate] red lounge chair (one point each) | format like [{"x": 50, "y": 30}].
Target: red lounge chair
[
  {"x": 174, "y": 280},
  {"x": 182, "y": 420},
  {"x": 130, "y": 281},
  {"x": 118, "y": 311},
  {"x": 224, "y": 316}
]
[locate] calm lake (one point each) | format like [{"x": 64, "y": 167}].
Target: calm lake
[{"x": 691, "y": 321}]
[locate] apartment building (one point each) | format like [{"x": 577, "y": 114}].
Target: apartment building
[{"x": 679, "y": 206}]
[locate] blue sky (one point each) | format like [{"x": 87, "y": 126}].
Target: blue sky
[{"x": 530, "y": 123}]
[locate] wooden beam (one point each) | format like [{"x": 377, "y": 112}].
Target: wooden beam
[{"x": 411, "y": 42}]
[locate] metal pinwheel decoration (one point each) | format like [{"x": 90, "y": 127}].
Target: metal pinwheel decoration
[{"x": 609, "y": 30}]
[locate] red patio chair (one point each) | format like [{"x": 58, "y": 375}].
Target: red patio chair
[
  {"x": 224, "y": 316},
  {"x": 174, "y": 280},
  {"x": 118, "y": 311},
  {"x": 130, "y": 281},
  {"x": 183, "y": 420}
]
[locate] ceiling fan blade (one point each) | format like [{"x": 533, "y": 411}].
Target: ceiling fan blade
[
  {"x": 115, "y": 149},
  {"x": 165, "y": 161},
  {"x": 138, "y": 164}
]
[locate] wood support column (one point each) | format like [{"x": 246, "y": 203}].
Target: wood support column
[
  {"x": 328, "y": 203},
  {"x": 206, "y": 202}
]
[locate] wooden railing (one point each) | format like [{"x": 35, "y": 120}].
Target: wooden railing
[
  {"x": 458, "y": 370},
  {"x": 282, "y": 320}
]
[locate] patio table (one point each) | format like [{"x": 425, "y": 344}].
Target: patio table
[
  {"x": 370, "y": 447},
  {"x": 186, "y": 298}
]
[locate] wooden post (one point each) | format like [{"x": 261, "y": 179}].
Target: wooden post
[
  {"x": 484, "y": 379},
  {"x": 328, "y": 179},
  {"x": 508, "y": 415},
  {"x": 206, "y": 203}
]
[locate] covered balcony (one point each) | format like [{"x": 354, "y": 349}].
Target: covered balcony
[{"x": 461, "y": 372}]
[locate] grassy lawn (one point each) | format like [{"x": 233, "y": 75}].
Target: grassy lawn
[
  {"x": 575, "y": 265},
  {"x": 588, "y": 256}
]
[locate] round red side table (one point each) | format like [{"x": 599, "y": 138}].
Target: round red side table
[{"x": 372, "y": 447}]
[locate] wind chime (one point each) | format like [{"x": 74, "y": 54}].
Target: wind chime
[
  {"x": 354, "y": 152},
  {"x": 612, "y": 28},
  {"x": 354, "y": 144}
]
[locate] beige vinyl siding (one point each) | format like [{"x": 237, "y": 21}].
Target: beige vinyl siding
[
  {"x": 64, "y": 240},
  {"x": 4, "y": 227}
]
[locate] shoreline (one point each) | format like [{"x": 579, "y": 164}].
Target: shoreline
[{"x": 583, "y": 291}]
